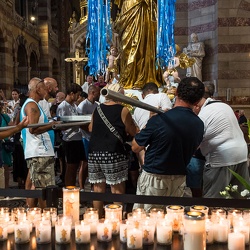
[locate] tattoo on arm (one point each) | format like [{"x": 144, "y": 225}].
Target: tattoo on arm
[{"x": 33, "y": 110}]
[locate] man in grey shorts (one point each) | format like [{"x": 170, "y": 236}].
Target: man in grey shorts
[
  {"x": 223, "y": 146},
  {"x": 171, "y": 139}
]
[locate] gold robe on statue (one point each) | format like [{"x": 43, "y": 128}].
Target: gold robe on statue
[{"x": 136, "y": 26}]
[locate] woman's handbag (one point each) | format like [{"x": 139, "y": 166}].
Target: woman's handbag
[{"x": 8, "y": 145}]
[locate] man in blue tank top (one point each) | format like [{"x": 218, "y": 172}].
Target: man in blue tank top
[{"x": 38, "y": 142}]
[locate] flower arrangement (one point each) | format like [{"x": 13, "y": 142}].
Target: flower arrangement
[{"x": 233, "y": 189}]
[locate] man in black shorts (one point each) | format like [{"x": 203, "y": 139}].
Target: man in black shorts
[{"x": 72, "y": 137}]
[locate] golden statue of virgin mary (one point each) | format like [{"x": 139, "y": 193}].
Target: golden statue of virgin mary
[{"x": 136, "y": 26}]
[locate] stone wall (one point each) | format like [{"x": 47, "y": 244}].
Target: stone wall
[
  {"x": 224, "y": 27},
  {"x": 38, "y": 48}
]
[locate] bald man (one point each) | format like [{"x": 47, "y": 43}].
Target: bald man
[
  {"x": 60, "y": 96},
  {"x": 52, "y": 89},
  {"x": 38, "y": 143}
]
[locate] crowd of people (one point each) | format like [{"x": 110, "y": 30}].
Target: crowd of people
[{"x": 193, "y": 142}]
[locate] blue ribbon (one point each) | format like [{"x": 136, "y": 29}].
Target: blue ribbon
[
  {"x": 165, "y": 48},
  {"x": 99, "y": 35}
]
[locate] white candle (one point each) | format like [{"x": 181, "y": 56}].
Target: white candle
[
  {"x": 115, "y": 226},
  {"x": 123, "y": 231},
  {"x": 156, "y": 214},
  {"x": 51, "y": 214},
  {"x": 244, "y": 229},
  {"x": 3, "y": 230},
  {"x": 217, "y": 215},
  {"x": 43, "y": 232},
  {"x": 113, "y": 211},
  {"x": 30, "y": 225},
  {"x": 148, "y": 231},
  {"x": 93, "y": 226},
  {"x": 104, "y": 231},
  {"x": 134, "y": 238},
  {"x": 91, "y": 216},
  {"x": 11, "y": 227},
  {"x": 91, "y": 213},
  {"x": 194, "y": 231},
  {"x": 62, "y": 231},
  {"x": 4, "y": 211},
  {"x": 236, "y": 241},
  {"x": 53, "y": 219},
  {"x": 221, "y": 230},
  {"x": 194, "y": 240},
  {"x": 234, "y": 215},
  {"x": 22, "y": 232},
  {"x": 71, "y": 202},
  {"x": 175, "y": 213},
  {"x": 164, "y": 232},
  {"x": 34, "y": 215},
  {"x": 209, "y": 232},
  {"x": 82, "y": 232},
  {"x": 18, "y": 214},
  {"x": 200, "y": 208},
  {"x": 135, "y": 219},
  {"x": 140, "y": 213}
]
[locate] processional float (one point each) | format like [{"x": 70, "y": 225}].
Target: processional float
[{"x": 81, "y": 120}]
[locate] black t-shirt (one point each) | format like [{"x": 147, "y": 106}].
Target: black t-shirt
[{"x": 172, "y": 139}]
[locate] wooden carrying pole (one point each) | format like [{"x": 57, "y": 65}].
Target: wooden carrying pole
[
  {"x": 29, "y": 126},
  {"x": 55, "y": 126},
  {"x": 128, "y": 100},
  {"x": 69, "y": 124}
]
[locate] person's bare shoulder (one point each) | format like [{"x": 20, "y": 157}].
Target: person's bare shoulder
[{"x": 32, "y": 110}]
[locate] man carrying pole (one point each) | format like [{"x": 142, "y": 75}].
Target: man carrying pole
[{"x": 38, "y": 142}]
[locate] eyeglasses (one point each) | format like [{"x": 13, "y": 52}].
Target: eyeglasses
[{"x": 42, "y": 80}]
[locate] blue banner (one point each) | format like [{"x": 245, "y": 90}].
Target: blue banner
[
  {"x": 99, "y": 35},
  {"x": 165, "y": 48}
]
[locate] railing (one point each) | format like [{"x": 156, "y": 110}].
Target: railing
[{"x": 52, "y": 194}]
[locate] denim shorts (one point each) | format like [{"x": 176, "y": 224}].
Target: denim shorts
[{"x": 195, "y": 173}]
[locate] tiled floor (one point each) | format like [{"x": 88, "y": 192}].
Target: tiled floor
[{"x": 12, "y": 202}]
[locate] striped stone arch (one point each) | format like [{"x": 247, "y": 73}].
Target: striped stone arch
[
  {"x": 19, "y": 40},
  {"x": 34, "y": 56},
  {"x": 35, "y": 49},
  {"x": 80, "y": 42},
  {"x": 22, "y": 59}
]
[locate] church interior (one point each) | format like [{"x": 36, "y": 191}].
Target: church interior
[{"x": 50, "y": 38}]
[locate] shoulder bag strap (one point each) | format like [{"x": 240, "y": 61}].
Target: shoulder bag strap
[{"x": 108, "y": 124}]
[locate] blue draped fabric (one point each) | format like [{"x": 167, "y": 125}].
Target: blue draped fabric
[
  {"x": 165, "y": 48},
  {"x": 99, "y": 35}
]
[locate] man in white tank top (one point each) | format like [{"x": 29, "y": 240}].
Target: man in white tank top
[{"x": 38, "y": 142}]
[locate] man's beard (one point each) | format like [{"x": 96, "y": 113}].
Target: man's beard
[{"x": 53, "y": 94}]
